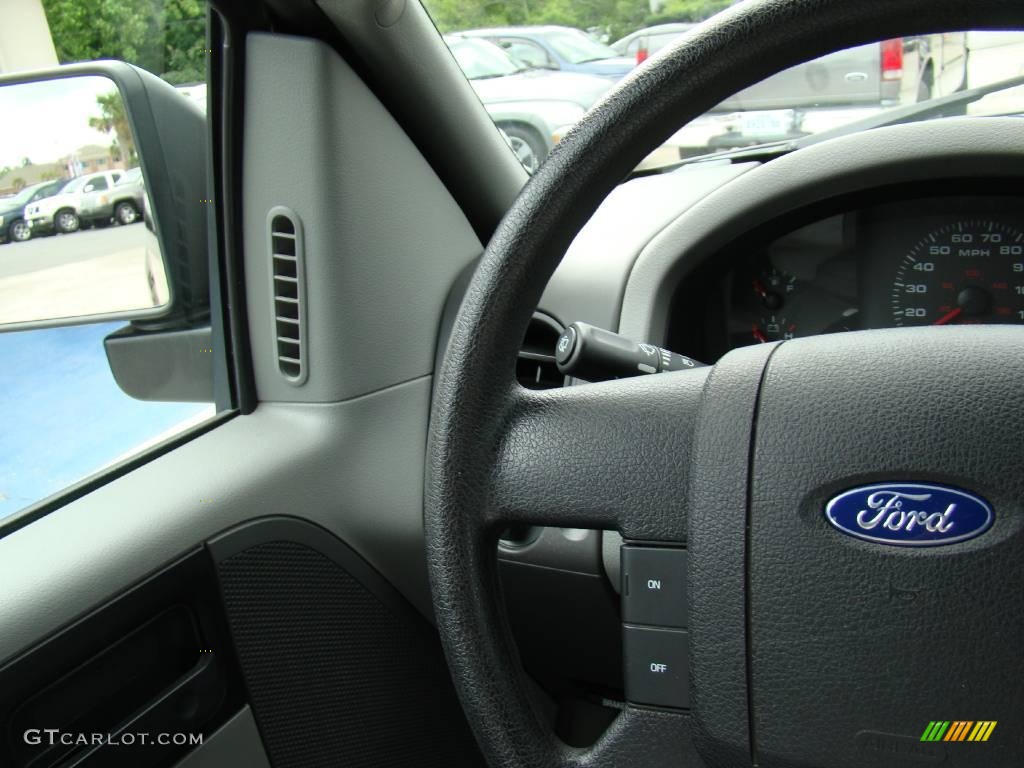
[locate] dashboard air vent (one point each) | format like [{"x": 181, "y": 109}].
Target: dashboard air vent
[
  {"x": 288, "y": 294},
  {"x": 535, "y": 368}
]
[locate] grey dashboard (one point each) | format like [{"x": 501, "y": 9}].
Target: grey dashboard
[{"x": 661, "y": 251}]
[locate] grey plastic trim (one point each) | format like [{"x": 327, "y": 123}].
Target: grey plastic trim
[
  {"x": 236, "y": 744},
  {"x": 611, "y": 558},
  {"x": 576, "y": 550},
  {"x": 298, "y": 258},
  {"x": 171, "y": 366},
  {"x": 384, "y": 239},
  {"x": 969, "y": 148},
  {"x": 589, "y": 283},
  {"x": 355, "y": 468},
  {"x": 402, "y": 53}
]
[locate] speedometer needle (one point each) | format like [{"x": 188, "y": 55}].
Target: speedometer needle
[{"x": 949, "y": 316}]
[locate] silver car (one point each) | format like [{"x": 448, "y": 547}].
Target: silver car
[{"x": 532, "y": 107}]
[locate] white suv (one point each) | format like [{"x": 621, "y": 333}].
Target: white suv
[{"x": 62, "y": 212}]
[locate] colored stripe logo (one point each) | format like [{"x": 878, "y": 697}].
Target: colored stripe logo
[{"x": 958, "y": 730}]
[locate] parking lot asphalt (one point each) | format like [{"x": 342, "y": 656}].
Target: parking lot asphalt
[
  {"x": 83, "y": 273},
  {"x": 45, "y": 251}
]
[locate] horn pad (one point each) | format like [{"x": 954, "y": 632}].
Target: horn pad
[{"x": 858, "y": 644}]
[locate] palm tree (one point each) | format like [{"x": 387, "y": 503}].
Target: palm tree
[{"x": 113, "y": 119}]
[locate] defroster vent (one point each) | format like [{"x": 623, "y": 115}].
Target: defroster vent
[{"x": 289, "y": 294}]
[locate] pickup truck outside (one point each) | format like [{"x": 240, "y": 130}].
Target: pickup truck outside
[
  {"x": 62, "y": 212},
  {"x": 875, "y": 76},
  {"x": 898, "y": 71}
]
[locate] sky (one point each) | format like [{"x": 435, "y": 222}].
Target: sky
[
  {"x": 48, "y": 119},
  {"x": 62, "y": 415}
]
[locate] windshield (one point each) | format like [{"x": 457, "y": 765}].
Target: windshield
[
  {"x": 22, "y": 197},
  {"x": 130, "y": 176},
  {"x": 75, "y": 184},
  {"x": 577, "y": 48},
  {"x": 480, "y": 59},
  {"x": 854, "y": 89}
]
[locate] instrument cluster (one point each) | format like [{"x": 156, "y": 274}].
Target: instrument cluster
[{"x": 926, "y": 261}]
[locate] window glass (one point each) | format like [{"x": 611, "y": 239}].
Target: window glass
[
  {"x": 529, "y": 53},
  {"x": 577, "y": 48},
  {"x": 480, "y": 59},
  {"x": 69, "y": 160},
  {"x": 845, "y": 91}
]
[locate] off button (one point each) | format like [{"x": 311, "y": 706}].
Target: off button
[{"x": 657, "y": 665}]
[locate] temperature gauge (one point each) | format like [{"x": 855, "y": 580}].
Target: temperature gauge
[{"x": 773, "y": 328}]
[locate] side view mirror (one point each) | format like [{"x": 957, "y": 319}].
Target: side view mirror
[{"x": 145, "y": 259}]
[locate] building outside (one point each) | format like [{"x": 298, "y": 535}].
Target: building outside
[{"x": 13, "y": 180}]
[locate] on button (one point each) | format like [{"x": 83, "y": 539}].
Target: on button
[{"x": 654, "y": 586}]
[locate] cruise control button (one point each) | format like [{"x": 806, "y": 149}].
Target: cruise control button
[
  {"x": 657, "y": 666},
  {"x": 654, "y": 586}
]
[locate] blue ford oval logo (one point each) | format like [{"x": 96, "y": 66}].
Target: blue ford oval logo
[{"x": 910, "y": 514}]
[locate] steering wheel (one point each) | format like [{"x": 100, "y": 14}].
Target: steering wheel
[{"x": 807, "y": 647}]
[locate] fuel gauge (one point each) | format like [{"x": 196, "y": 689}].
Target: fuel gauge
[{"x": 773, "y": 287}]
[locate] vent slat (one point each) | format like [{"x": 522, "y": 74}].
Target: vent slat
[{"x": 286, "y": 261}]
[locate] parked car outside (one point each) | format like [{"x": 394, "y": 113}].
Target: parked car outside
[
  {"x": 533, "y": 107},
  {"x": 12, "y": 220},
  {"x": 884, "y": 73},
  {"x": 124, "y": 204},
  {"x": 62, "y": 212},
  {"x": 816, "y": 95},
  {"x": 562, "y": 48},
  {"x": 643, "y": 43}
]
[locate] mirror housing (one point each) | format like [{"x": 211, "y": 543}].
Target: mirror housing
[{"x": 170, "y": 135}]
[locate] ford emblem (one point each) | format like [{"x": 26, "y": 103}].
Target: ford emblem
[{"x": 910, "y": 514}]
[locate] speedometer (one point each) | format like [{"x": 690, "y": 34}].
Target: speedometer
[{"x": 970, "y": 271}]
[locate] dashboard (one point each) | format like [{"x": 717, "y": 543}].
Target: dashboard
[
  {"x": 913, "y": 224},
  {"x": 902, "y": 261}
]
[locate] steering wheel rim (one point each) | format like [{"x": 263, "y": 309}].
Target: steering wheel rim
[{"x": 618, "y": 455}]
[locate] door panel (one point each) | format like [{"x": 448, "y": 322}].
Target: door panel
[
  {"x": 355, "y": 468},
  {"x": 281, "y": 459},
  {"x": 339, "y": 668},
  {"x": 157, "y": 661},
  {"x": 343, "y": 453},
  {"x": 236, "y": 743}
]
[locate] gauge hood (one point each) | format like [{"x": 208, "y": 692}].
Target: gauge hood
[{"x": 542, "y": 85}]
